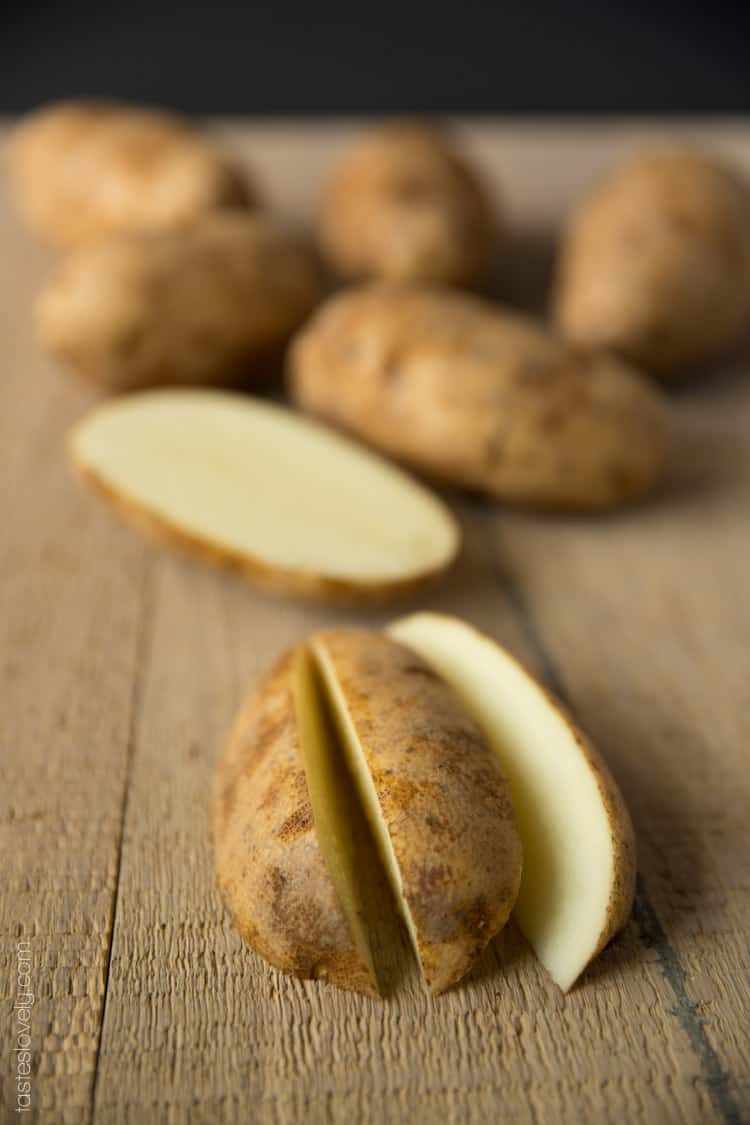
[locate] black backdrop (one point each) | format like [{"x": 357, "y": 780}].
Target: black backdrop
[{"x": 224, "y": 57}]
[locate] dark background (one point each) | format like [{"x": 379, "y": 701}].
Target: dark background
[{"x": 538, "y": 57}]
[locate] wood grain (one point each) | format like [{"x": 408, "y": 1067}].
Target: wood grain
[{"x": 122, "y": 667}]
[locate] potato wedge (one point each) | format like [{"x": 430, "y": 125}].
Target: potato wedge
[
  {"x": 404, "y": 205},
  {"x": 211, "y": 305},
  {"x": 578, "y": 843},
  {"x": 246, "y": 484},
  {"x": 83, "y": 170},
  {"x": 655, "y": 263},
  {"x": 433, "y": 794},
  {"x": 286, "y": 846},
  {"x": 481, "y": 397}
]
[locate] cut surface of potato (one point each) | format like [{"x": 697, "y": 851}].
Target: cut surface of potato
[
  {"x": 331, "y": 798},
  {"x": 578, "y": 844},
  {"x": 286, "y": 838},
  {"x": 436, "y": 801},
  {"x": 247, "y": 484}
]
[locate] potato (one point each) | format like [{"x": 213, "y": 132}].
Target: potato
[
  {"x": 578, "y": 843},
  {"x": 86, "y": 169},
  {"x": 655, "y": 264},
  {"x": 246, "y": 484},
  {"x": 212, "y": 304},
  {"x": 291, "y": 887},
  {"x": 353, "y": 708},
  {"x": 404, "y": 206},
  {"x": 472, "y": 394},
  {"x": 436, "y": 801}
]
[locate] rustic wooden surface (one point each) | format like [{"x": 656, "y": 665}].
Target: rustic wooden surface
[{"x": 122, "y": 665}]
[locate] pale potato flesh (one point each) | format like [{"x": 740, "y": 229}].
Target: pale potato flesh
[
  {"x": 330, "y": 796},
  {"x": 578, "y": 846},
  {"x": 435, "y": 799},
  {"x": 292, "y": 505}
]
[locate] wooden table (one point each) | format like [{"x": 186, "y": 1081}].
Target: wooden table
[{"x": 122, "y": 666}]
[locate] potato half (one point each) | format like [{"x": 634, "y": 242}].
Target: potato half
[
  {"x": 211, "y": 305},
  {"x": 578, "y": 843},
  {"x": 479, "y": 396},
  {"x": 655, "y": 263},
  {"x": 83, "y": 170},
  {"x": 286, "y": 847},
  {"x": 436, "y": 801},
  {"x": 294, "y": 507},
  {"x": 404, "y": 205}
]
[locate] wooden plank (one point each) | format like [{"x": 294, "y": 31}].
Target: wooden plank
[
  {"x": 70, "y": 612},
  {"x": 646, "y": 620},
  {"x": 103, "y": 638},
  {"x": 199, "y": 1029}
]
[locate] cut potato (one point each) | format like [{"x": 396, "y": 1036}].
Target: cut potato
[
  {"x": 436, "y": 801},
  {"x": 286, "y": 841},
  {"x": 296, "y": 508},
  {"x": 578, "y": 844}
]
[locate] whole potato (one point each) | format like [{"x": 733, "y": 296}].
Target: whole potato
[
  {"x": 481, "y": 397},
  {"x": 655, "y": 265},
  {"x": 213, "y": 304},
  {"x": 85, "y": 169},
  {"x": 404, "y": 206}
]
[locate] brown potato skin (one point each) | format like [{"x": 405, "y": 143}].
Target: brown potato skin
[
  {"x": 480, "y": 397},
  {"x": 213, "y": 304},
  {"x": 445, "y": 803},
  {"x": 269, "y": 866},
  {"x": 655, "y": 264},
  {"x": 83, "y": 170},
  {"x": 403, "y": 205}
]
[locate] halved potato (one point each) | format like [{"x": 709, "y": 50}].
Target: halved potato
[
  {"x": 578, "y": 843},
  {"x": 291, "y": 505},
  {"x": 287, "y": 846},
  {"x": 436, "y": 801}
]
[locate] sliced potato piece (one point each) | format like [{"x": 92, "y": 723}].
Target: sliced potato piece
[
  {"x": 332, "y": 800},
  {"x": 578, "y": 842},
  {"x": 286, "y": 841},
  {"x": 435, "y": 798},
  {"x": 291, "y": 505}
]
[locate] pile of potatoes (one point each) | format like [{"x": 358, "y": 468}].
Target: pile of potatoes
[{"x": 177, "y": 275}]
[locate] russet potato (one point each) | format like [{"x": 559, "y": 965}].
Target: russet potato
[
  {"x": 403, "y": 204},
  {"x": 213, "y": 304},
  {"x": 655, "y": 264},
  {"x": 83, "y": 170},
  {"x": 578, "y": 842},
  {"x": 473, "y": 394}
]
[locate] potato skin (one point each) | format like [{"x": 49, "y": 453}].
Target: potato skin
[
  {"x": 269, "y": 866},
  {"x": 480, "y": 397},
  {"x": 404, "y": 206},
  {"x": 445, "y": 803},
  {"x": 82, "y": 170},
  {"x": 655, "y": 264},
  {"x": 211, "y": 305}
]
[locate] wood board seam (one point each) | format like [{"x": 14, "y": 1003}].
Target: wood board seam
[
  {"x": 651, "y": 932},
  {"x": 142, "y": 648}
]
